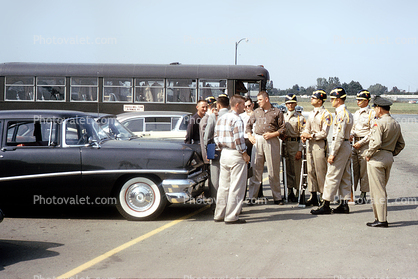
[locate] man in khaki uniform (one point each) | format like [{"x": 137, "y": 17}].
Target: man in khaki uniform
[
  {"x": 292, "y": 145},
  {"x": 338, "y": 178},
  {"x": 316, "y": 131},
  {"x": 385, "y": 142},
  {"x": 264, "y": 127},
  {"x": 360, "y": 135}
]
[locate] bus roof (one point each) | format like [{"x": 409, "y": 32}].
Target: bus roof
[{"x": 174, "y": 70}]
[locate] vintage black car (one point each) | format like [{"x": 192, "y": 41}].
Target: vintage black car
[{"x": 65, "y": 157}]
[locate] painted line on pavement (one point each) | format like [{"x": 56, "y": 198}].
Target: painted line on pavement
[{"x": 122, "y": 247}]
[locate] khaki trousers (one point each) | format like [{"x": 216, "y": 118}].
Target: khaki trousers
[
  {"x": 214, "y": 178},
  {"x": 293, "y": 166},
  {"x": 378, "y": 170},
  {"x": 338, "y": 176},
  {"x": 360, "y": 168},
  {"x": 317, "y": 165},
  {"x": 267, "y": 151},
  {"x": 232, "y": 185}
]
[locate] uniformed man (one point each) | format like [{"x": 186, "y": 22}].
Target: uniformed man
[
  {"x": 360, "y": 135},
  {"x": 292, "y": 145},
  {"x": 385, "y": 142},
  {"x": 338, "y": 178},
  {"x": 316, "y": 131},
  {"x": 264, "y": 127}
]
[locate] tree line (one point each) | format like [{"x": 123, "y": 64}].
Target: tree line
[{"x": 328, "y": 84}]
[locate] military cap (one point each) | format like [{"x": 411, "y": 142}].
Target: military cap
[
  {"x": 338, "y": 92},
  {"x": 319, "y": 94},
  {"x": 290, "y": 98},
  {"x": 223, "y": 95},
  {"x": 363, "y": 95},
  {"x": 210, "y": 100},
  {"x": 381, "y": 102}
]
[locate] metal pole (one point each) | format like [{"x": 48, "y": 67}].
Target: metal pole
[{"x": 236, "y": 48}]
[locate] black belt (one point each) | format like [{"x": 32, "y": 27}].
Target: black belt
[
  {"x": 293, "y": 139},
  {"x": 344, "y": 139}
]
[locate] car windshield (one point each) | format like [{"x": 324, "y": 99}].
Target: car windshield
[{"x": 114, "y": 128}]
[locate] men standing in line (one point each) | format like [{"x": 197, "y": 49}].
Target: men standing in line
[
  {"x": 360, "y": 135},
  {"x": 292, "y": 145},
  {"x": 316, "y": 131},
  {"x": 386, "y": 141},
  {"x": 222, "y": 104},
  {"x": 338, "y": 177},
  {"x": 193, "y": 135},
  {"x": 229, "y": 137},
  {"x": 269, "y": 125}
]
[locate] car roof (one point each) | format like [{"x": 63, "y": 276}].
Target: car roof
[
  {"x": 41, "y": 113},
  {"x": 126, "y": 115}
]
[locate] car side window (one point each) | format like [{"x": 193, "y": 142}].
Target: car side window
[
  {"x": 174, "y": 121},
  {"x": 158, "y": 124},
  {"x": 135, "y": 125},
  {"x": 75, "y": 134},
  {"x": 79, "y": 131},
  {"x": 31, "y": 133},
  {"x": 184, "y": 123}
]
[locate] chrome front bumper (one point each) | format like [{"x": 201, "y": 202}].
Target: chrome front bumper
[{"x": 180, "y": 190}]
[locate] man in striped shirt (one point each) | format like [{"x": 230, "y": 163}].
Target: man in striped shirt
[{"x": 229, "y": 137}]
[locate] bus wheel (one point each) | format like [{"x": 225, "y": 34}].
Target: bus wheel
[{"x": 141, "y": 198}]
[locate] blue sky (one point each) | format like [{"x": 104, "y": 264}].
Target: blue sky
[{"x": 297, "y": 41}]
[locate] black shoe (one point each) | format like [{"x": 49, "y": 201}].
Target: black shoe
[
  {"x": 238, "y": 221},
  {"x": 280, "y": 202},
  {"x": 323, "y": 209},
  {"x": 342, "y": 208},
  {"x": 313, "y": 200},
  {"x": 291, "y": 197},
  {"x": 378, "y": 224}
]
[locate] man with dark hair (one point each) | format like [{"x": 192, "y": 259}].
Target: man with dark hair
[
  {"x": 264, "y": 127},
  {"x": 222, "y": 104},
  {"x": 193, "y": 134},
  {"x": 338, "y": 177},
  {"x": 202, "y": 126},
  {"x": 386, "y": 141},
  {"x": 229, "y": 138}
]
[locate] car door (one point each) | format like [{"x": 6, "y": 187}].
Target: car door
[{"x": 34, "y": 165}]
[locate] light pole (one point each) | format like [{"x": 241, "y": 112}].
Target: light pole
[{"x": 236, "y": 48}]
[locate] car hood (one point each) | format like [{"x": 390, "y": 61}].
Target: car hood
[{"x": 173, "y": 154}]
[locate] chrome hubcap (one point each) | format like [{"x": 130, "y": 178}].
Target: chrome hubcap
[{"x": 140, "y": 196}]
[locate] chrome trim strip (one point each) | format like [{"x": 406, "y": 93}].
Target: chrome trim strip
[
  {"x": 56, "y": 174},
  {"x": 41, "y": 175},
  {"x": 135, "y": 171}
]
